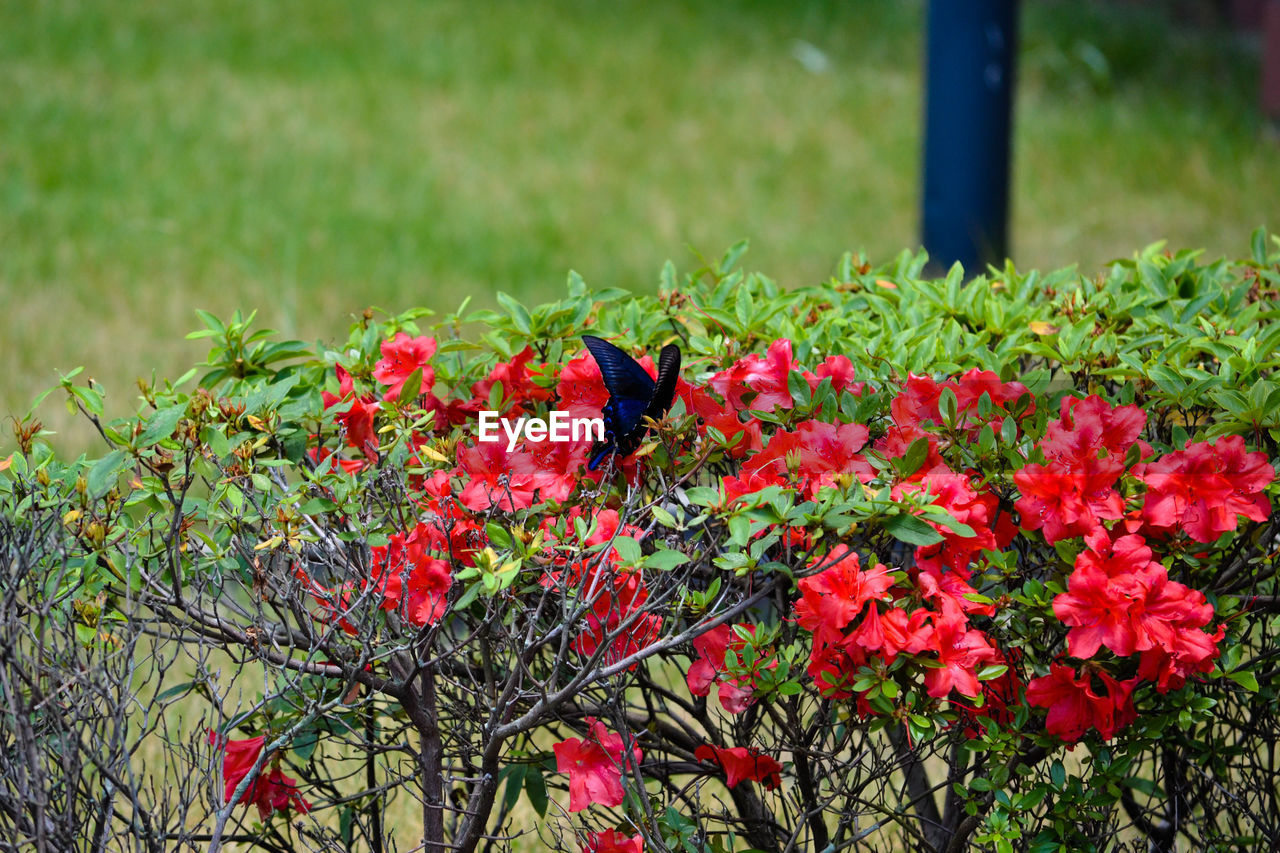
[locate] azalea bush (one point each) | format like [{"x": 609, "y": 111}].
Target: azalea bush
[{"x": 909, "y": 564}]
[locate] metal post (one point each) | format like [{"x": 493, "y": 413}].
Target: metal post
[
  {"x": 968, "y": 109},
  {"x": 1271, "y": 65}
]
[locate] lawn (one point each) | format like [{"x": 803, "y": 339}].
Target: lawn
[{"x": 308, "y": 159}]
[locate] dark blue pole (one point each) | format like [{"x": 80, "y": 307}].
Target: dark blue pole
[{"x": 968, "y": 109}]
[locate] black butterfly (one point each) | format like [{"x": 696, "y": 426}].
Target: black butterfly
[{"x": 633, "y": 396}]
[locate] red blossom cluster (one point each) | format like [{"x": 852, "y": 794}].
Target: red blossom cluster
[
  {"x": 594, "y": 765},
  {"x": 612, "y": 841},
  {"x": 270, "y": 793},
  {"x": 742, "y": 764},
  {"x": 1126, "y": 621}
]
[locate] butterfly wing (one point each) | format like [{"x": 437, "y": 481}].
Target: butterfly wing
[
  {"x": 631, "y": 391},
  {"x": 664, "y": 392}
]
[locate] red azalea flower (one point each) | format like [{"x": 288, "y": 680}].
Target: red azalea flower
[
  {"x": 834, "y": 667},
  {"x": 615, "y": 600},
  {"x": 612, "y": 841},
  {"x": 993, "y": 530},
  {"x": 724, "y": 418},
  {"x": 830, "y": 449},
  {"x": 840, "y": 369},
  {"x": 949, "y": 591},
  {"x": 1089, "y": 426},
  {"x": 401, "y": 356},
  {"x": 1204, "y": 488},
  {"x": 713, "y": 646},
  {"x": 962, "y": 652},
  {"x": 893, "y": 633},
  {"x": 766, "y": 376},
  {"x": 553, "y": 467},
  {"x": 594, "y": 765},
  {"x": 742, "y": 764},
  {"x": 999, "y": 697},
  {"x": 898, "y": 439},
  {"x": 834, "y": 597},
  {"x": 1120, "y": 598},
  {"x": 581, "y": 389},
  {"x": 1074, "y": 707},
  {"x": 518, "y": 386},
  {"x": 918, "y": 401},
  {"x": 492, "y": 478},
  {"x": 1190, "y": 651},
  {"x": 273, "y": 792},
  {"x": 410, "y": 578},
  {"x": 238, "y": 759},
  {"x": 278, "y": 792},
  {"x": 1069, "y": 501},
  {"x": 571, "y": 553},
  {"x": 355, "y": 415}
]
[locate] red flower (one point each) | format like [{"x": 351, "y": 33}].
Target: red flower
[
  {"x": 830, "y": 449},
  {"x": 1086, "y": 427},
  {"x": 1085, "y": 450},
  {"x": 833, "y": 668},
  {"x": 492, "y": 478},
  {"x": 517, "y": 384},
  {"x": 594, "y": 765},
  {"x": 409, "y": 577},
  {"x": 355, "y": 415},
  {"x": 993, "y": 530},
  {"x": 713, "y": 646},
  {"x": 278, "y": 792},
  {"x": 742, "y": 764},
  {"x": 834, "y": 597},
  {"x": 581, "y": 389},
  {"x": 725, "y": 418},
  {"x": 552, "y": 467},
  {"x": 401, "y": 356},
  {"x": 893, "y": 633},
  {"x": 1068, "y": 501},
  {"x": 766, "y": 376},
  {"x": 919, "y": 400},
  {"x": 1074, "y": 707},
  {"x": 274, "y": 792},
  {"x": 962, "y": 652},
  {"x": 612, "y": 841},
  {"x": 616, "y": 598},
  {"x": 1204, "y": 488},
  {"x": 840, "y": 369},
  {"x": 1120, "y": 598},
  {"x": 1190, "y": 651}
]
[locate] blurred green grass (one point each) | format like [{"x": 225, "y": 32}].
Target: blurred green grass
[{"x": 311, "y": 158}]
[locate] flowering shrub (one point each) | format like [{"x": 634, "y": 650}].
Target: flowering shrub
[{"x": 907, "y": 564}]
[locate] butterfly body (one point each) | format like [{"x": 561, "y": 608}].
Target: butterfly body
[{"x": 633, "y": 396}]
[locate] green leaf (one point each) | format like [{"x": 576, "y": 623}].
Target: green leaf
[
  {"x": 913, "y": 531},
  {"x": 536, "y": 787},
  {"x": 665, "y": 560},
  {"x": 175, "y": 691},
  {"x": 103, "y": 474},
  {"x": 628, "y": 549},
  {"x": 1246, "y": 679},
  {"x": 515, "y": 783},
  {"x": 411, "y": 389},
  {"x": 161, "y": 424},
  {"x": 498, "y": 535},
  {"x": 914, "y": 457}
]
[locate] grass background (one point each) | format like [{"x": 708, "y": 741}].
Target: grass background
[{"x": 308, "y": 159}]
